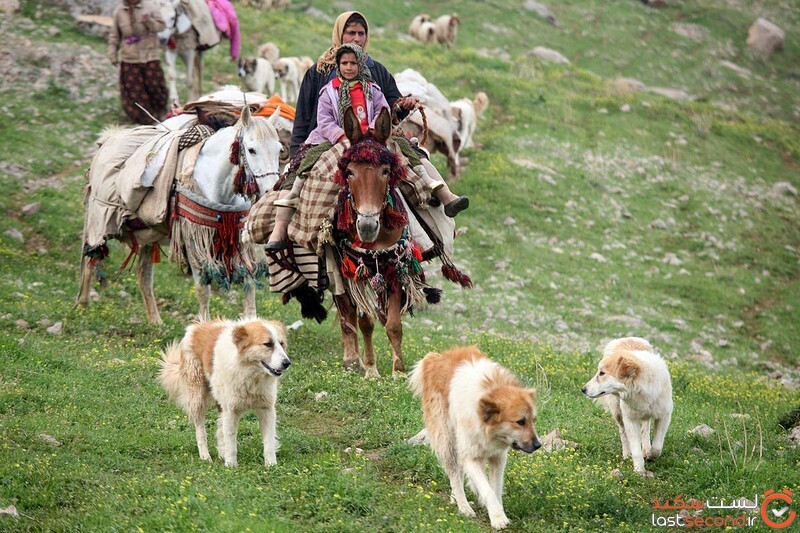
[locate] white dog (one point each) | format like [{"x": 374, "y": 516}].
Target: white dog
[
  {"x": 290, "y": 72},
  {"x": 474, "y": 410},
  {"x": 235, "y": 364},
  {"x": 634, "y": 385},
  {"x": 466, "y": 113},
  {"x": 257, "y": 74}
]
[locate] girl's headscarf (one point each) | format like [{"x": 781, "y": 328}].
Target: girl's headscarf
[
  {"x": 364, "y": 76},
  {"x": 327, "y": 61}
]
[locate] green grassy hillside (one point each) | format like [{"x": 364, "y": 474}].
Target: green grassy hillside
[{"x": 596, "y": 212}]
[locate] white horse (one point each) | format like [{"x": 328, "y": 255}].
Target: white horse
[
  {"x": 214, "y": 186},
  {"x": 179, "y": 39}
]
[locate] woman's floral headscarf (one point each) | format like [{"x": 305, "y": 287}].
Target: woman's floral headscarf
[{"x": 327, "y": 61}]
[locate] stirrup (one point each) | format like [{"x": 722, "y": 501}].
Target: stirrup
[
  {"x": 436, "y": 185},
  {"x": 287, "y": 202}
]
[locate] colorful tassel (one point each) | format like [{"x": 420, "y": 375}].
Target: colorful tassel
[
  {"x": 348, "y": 268},
  {"x": 378, "y": 283},
  {"x": 416, "y": 252},
  {"x": 345, "y": 217},
  {"x": 451, "y": 273},
  {"x": 235, "y": 158},
  {"x": 432, "y": 295},
  {"x": 362, "y": 272},
  {"x": 392, "y": 218}
]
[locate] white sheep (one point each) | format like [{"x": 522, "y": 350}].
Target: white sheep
[
  {"x": 413, "y": 29},
  {"x": 447, "y": 29}
]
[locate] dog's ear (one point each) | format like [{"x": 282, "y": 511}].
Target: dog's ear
[
  {"x": 488, "y": 410},
  {"x": 532, "y": 395},
  {"x": 627, "y": 368},
  {"x": 240, "y": 337}
]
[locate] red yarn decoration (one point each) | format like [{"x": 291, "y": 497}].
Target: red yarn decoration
[
  {"x": 234, "y": 156},
  {"x": 451, "y": 273}
]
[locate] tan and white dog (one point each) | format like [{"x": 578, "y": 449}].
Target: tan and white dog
[
  {"x": 474, "y": 411},
  {"x": 634, "y": 385},
  {"x": 290, "y": 71},
  {"x": 466, "y": 113},
  {"x": 235, "y": 364},
  {"x": 257, "y": 74}
]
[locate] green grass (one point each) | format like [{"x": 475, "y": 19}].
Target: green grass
[{"x": 586, "y": 223}]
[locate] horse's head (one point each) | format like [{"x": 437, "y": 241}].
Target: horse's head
[
  {"x": 176, "y": 21},
  {"x": 368, "y": 172},
  {"x": 259, "y": 148}
]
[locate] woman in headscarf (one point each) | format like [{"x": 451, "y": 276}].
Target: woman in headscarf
[
  {"x": 133, "y": 44},
  {"x": 351, "y": 87},
  {"x": 349, "y": 27}
]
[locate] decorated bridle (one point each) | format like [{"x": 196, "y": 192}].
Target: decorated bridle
[
  {"x": 246, "y": 181},
  {"x": 372, "y": 152}
]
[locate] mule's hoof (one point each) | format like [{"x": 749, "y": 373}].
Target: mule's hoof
[
  {"x": 352, "y": 366},
  {"x": 371, "y": 373},
  {"x": 456, "y": 206},
  {"x": 274, "y": 246}
]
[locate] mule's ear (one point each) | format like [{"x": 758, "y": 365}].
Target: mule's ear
[
  {"x": 383, "y": 126},
  {"x": 245, "y": 118},
  {"x": 273, "y": 118},
  {"x": 352, "y": 127}
]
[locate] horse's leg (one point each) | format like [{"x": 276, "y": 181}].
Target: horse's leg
[
  {"x": 85, "y": 282},
  {"x": 170, "y": 58},
  {"x": 347, "y": 319},
  {"x": 188, "y": 56},
  {"x": 249, "y": 290},
  {"x": 198, "y": 72},
  {"x": 203, "y": 292},
  {"x": 367, "y": 327},
  {"x": 394, "y": 330},
  {"x": 452, "y": 164},
  {"x": 144, "y": 274}
]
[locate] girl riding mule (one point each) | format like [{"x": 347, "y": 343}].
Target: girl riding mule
[
  {"x": 214, "y": 179},
  {"x": 367, "y": 256}
]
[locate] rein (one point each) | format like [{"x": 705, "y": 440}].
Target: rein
[
  {"x": 421, "y": 108},
  {"x": 243, "y": 161},
  {"x": 245, "y": 182}
]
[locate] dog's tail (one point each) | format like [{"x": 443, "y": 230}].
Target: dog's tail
[
  {"x": 269, "y": 51},
  {"x": 481, "y": 102},
  {"x": 415, "y": 378},
  {"x": 170, "y": 375}
]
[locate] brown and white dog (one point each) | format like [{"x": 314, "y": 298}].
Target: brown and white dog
[
  {"x": 634, "y": 385},
  {"x": 235, "y": 364},
  {"x": 257, "y": 74},
  {"x": 290, "y": 71},
  {"x": 466, "y": 113},
  {"x": 474, "y": 411}
]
